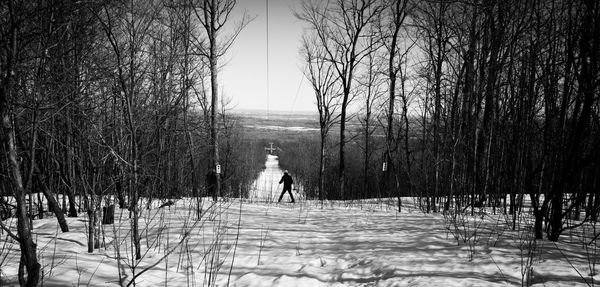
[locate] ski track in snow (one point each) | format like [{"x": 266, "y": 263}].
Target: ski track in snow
[{"x": 363, "y": 243}]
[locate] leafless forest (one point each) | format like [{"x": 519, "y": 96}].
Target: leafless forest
[{"x": 465, "y": 105}]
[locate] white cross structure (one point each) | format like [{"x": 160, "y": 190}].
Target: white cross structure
[{"x": 271, "y": 149}]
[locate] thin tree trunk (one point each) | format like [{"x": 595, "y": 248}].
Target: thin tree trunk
[
  {"x": 342, "y": 161},
  {"x": 52, "y": 203},
  {"x": 91, "y": 214},
  {"x": 214, "y": 136},
  {"x": 29, "y": 259},
  {"x": 70, "y": 166},
  {"x": 323, "y": 154}
]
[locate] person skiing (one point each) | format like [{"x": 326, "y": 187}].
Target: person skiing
[{"x": 287, "y": 181}]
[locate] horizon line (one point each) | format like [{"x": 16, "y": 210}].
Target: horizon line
[{"x": 272, "y": 111}]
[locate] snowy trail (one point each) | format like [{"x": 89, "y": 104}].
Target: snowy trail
[
  {"x": 308, "y": 246},
  {"x": 266, "y": 187}
]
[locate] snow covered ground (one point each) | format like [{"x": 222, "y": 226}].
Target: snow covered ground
[
  {"x": 341, "y": 244},
  {"x": 258, "y": 243}
]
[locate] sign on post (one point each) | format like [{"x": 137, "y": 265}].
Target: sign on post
[{"x": 218, "y": 169}]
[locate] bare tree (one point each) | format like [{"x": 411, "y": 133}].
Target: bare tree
[
  {"x": 186, "y": 29},
  {"x": 341, "y": 27},
  {"x": 8, "y": 61},
  {"x": 321, "y": 75},
  {"x": 371, "y": 88},
  {"x": 391, "y": 27},
  {"x": 127, "y": 35},
  {"x": 213, "y": 15},
  {"x": 571, "y": 165},
  {"x": 431, "y": 19}
]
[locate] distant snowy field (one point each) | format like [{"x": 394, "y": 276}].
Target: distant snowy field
[
  {"x": 281, "y": 128},
  {"x": 255, "y": 242}
]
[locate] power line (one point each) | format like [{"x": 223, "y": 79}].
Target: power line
[
  {"x": 267, "y": 27},
  {"x": 297, "y": 92}
]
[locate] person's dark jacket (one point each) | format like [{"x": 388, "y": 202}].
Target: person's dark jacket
[{"x": 287, "y": 180}]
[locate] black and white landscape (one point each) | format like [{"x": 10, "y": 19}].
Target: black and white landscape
[{"x": 430, "y": 143}]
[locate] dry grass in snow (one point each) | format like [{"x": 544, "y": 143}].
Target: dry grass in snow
[{"x": 365, "y": 243}]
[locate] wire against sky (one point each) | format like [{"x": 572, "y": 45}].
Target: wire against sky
[
  {"x": 267, "y": 19},
  {"x": 249, "y": 68}
]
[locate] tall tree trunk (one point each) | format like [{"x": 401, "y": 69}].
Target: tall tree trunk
[
  {"x": 70, "y": 190},
  {"x": 214, "y": 89},
  {"x": 29, "y": 259},
  {"x": 89, "y": 198},
  {"x": 437, "y": 100},
  {"x": 398, "y": 14},
  {"x": 185, "y": 86},
  {"x": 407, "y": 152},
  {"x": 342, "y": 163},
  {"x": 367, "y": 159},
  {"x": 322, "y": 157},
  {"x": 133, "y": 141}
]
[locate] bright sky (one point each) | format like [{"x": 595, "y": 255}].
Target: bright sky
[{"x": 244, "y": 77}]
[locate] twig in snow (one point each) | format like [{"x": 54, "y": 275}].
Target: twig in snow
[
  {"x": 262, "y": 240},
  {"x": 9, "y": 232},
  {"x": 237, "y": 237},
  {"x": 502, "y": 273},
  {"x": 159, "y": 260},
  {"x": 572, "y": 266},
  {"x": 94, "y": 273}
]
